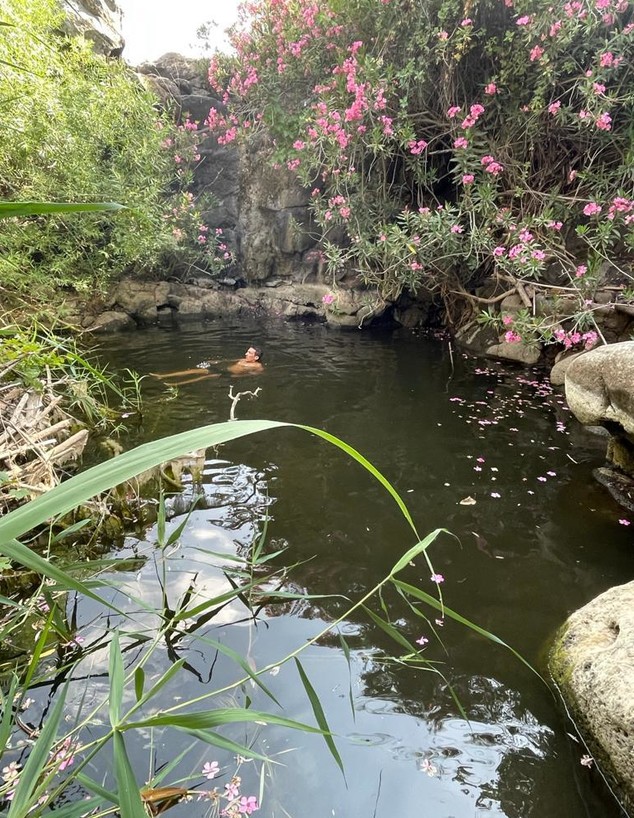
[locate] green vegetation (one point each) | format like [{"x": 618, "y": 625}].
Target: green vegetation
[{"x": 79, "y": 127}]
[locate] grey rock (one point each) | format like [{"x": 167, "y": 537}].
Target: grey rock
[
  {"x": 111, "y": 321},
  {"x": 558, "y": 372},
  {"x": 600, "y": 386},
  {"x": 593, "y": 663},
  {"x": 520, "y": 353}
]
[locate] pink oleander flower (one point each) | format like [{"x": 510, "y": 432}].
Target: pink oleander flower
[
  {"x": 328, "y": 298},
  {"x": 466, "y": 22},
  {"x": 606, "y": 59},
  {"x": 526, "y": 20},
  {"x": 525, "y": 235},
  {"x": 494, "y": 168},
  {"x": 443, "y": 35},
  {"x": 604, "y": 122},
  {"x": 457, "y": 228},
  {"x": 537, "y": 52},
  {"x": 299, "y": 145},
  {"x": 580, "y": 271},
  {"x": 460, "y": 142},
  {"x": 499, "y": 251},
  {"x": 507, "y": 320},
  {"x": 417, "y": 147},
  {"x": 453, "y": 111},
  {"x": 592, "y": 209},
  {"x": 598, "y": 88},
  {"x": 512, "y": 337},
  {"x": 555, "y": 225},
  {"x": 437, "y": 578},
  {"x": 491, "y": 89},
  {"x": 468, "y": 178},
  {"x": 539, "y": 255},
  {"x": 554, "y": 107}
]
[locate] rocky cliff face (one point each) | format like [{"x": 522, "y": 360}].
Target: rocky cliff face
[
  {"x": 263, "y": 212},
  {"x": 96, "y": 20}
]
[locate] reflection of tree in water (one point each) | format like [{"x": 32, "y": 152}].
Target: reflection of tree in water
[
  {"x": 497, "y": 757},
  {"x": 238, "y": 492}
]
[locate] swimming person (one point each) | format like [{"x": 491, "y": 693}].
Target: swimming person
[{"x": 249, "y": 365}]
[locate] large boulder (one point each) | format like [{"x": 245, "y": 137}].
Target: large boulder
[
  {"x": 593, "y": 664},
  {"x": 600, "y": 387},
  {"x": 600, "y": 392}
]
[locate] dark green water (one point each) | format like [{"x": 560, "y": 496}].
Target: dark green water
[{"x": 541, "y": 540}]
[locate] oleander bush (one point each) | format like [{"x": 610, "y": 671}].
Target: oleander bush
[{"x": 446, "y": 143}]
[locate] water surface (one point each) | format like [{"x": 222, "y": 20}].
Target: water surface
[{"x": 540, "y": 540}]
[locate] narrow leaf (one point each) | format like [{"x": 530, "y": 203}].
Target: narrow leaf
[
  {"x": 21, "y": 209},
  {"x": 320, "y": 716},
  {"x": 6, "y": 725},
  {"x": 171, "y": 671},
  {"x": 232, "y": 654},
  {"x": 139, "y": 683},
  {"x": 115, "y": 671},
  {"x": 216, "y": 718},
  {"x": 130, "y": 804},
  {"x": 391, "y": 631},
  {"x": 36, "y": 762},
  {"x": 216, "y": 740}
]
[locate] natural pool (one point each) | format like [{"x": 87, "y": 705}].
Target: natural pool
[{"x": 540, "y": 540}]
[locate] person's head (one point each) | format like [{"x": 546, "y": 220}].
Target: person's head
[{"x": 253, "y": 354}]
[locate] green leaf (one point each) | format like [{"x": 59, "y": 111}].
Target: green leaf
[
  {"x": 139, "y": 682},
  {"x": 232, "y": 654},
  {"x": 36, "y": 762},
  {"x": 415, "y": 550},
  {"x": 391, "y": 631},
  {"x": 20, "y": 553},
  {"x": 82, "y": 487},
  {"x": 6, "y": 725},
  {"x": 205, "y": 719},
  {"x": 320, "y": 716},
  {"x": 130, "y": 803},
  {"x": 115, "y": 672},
  {"x": 346, "y": 652},
  {"x": 92, "y": 786},
  {"x": 216, "y": 740},
  {"x": 21, "y": 209},
  {"x": 165, "y": 678}
]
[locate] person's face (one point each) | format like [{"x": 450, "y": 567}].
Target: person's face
[{"x": 251, "y": 355}]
